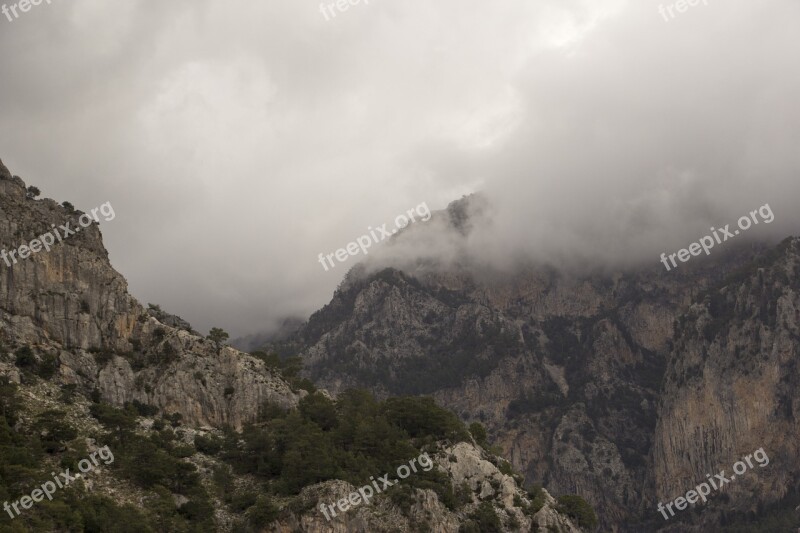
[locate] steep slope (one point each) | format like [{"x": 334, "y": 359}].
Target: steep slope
[
  {"x": 205, "y": 437},
  {"x": 730, "y": 389},
  {"x": 71, "y": 305},
  {"x": 564, "y": 369}
]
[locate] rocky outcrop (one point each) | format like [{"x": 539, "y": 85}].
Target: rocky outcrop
[
  {"x": 564, "y": 368},
  {"x": 731, "y": 389},
  {"x": 466, "y": 465},
  {"x": 70, "y": 303}
]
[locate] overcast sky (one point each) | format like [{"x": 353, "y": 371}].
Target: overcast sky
[{"x": 238, "y": 140}]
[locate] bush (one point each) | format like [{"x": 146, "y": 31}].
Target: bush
[
  {"x": 25, "y": 358},
  {"x": 263, "y": 513},
  {"x": 208, "y": 444},
  {"x": 478, "y": 433},
  {"x": 53, "y": 431},
  {"x": 45, "y": 368},
  {"x": 576, "y": 507},
  {"x": 103, "y": 357},
  {"x": 422, "y": 417},
  {"x": 487, "y": 519},
  {"x": 48, "y": 366},
  {"x": 143, "y": 409}
]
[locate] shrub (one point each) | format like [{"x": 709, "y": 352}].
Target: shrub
[
  {"x": 48, "y": 366},
  {"x": 67, "y": 396},
  {"x": 478, "y": 433},
  {"x": 262, "y": 513},
  {"x": 143, "y": 409},
  {"x": 208, "y": 444},
  {"x": 103, "y": 357},
  {"x": 576, "y": 507},
  {"x": 25, "y": 357},
  {"x": 487, "y": 519}
]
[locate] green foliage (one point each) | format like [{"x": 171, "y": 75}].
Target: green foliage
[
  {"x": 44, "y": 368},
  {"x": 53, "y": 430},
  {"x": 351, "y": 439},
  {"x": 478, "y": 433},
  {"x": 102, "y": 357},
  {"x": 536, "y": 495},
  {"x": 25, "y": 358},
  {"x": 48, "y": 366},
  {"x": 143, "y": 409},
  {"x": 289, "y": 367},
  {"x": 208, "y": 444},
  {"x": 262, "y": 513},
  {"x": 320, "y": 410},
  {"x": 218, "y": 336},
  {"x": 506, "y": 468},
  {"x": 422, "y": 417},
  {"x": 487, "y": 519},
  {"x": 577, "y": 508},
  {"x": 68, "y": 391},
  {"x": 155, "y": 463},
  {"x": 22, "y": 467},
  {"x": 32, "y": 192}
]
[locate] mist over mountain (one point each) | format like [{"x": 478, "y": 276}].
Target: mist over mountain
[
  {"x": 370, "y": 266},
  {"x": 600, "y": 132}
]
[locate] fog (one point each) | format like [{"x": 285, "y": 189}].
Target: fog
[{"x": 238, "y": 141}]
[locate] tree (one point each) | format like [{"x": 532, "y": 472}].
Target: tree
[
  {"x": 478, "y": 433},
  {"x": 577, "y": 508},
  {"x": 218, "y": 336},
  {"x": 33, "y": 192},
  {"x": 487, "y": 519},
  {"x": 69, "y": 207}
]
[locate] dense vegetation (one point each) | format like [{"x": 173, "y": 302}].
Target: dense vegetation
[{"x": 352, "y": 439}]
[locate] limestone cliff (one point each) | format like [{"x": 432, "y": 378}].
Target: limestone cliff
[
  {"x": 564, "y": 368},
  {"x": 70, "y": 303}
]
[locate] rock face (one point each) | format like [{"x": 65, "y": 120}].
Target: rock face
[
  {"x": 565, "y": 369},
  {"x": 69, "y": 302},
  {"x": 731, "y": 389},
  {"x": 466, "y": 465}
]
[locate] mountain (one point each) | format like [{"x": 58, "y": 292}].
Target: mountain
[
  {"x": 625, "y": 387},
  {"x": 198, "y": 436}
]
